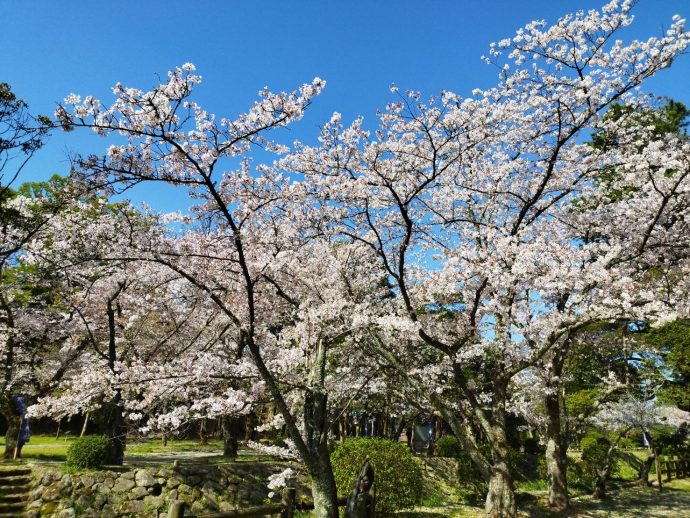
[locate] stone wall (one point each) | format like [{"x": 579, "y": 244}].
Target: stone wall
[{"x": 146, "y": 491}]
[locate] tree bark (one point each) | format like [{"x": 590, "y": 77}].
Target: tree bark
[
  {"x": 556, "y": 444},
  {"x": 231, "y": 430},
  {"x": 500, "y": 500},
  {"x": 11, "y": 434},
  {"x": 556, "y": 469},
  {"x": 117, "y": 433}
]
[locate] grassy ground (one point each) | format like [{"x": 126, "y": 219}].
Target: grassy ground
[
  {"x": 629, "y": 502},
  {"x": 44, "y": 448}
]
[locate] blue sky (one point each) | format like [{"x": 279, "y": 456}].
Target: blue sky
[{"x": 52, "y": 48}]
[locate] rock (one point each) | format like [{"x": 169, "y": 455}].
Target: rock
[
  {"x": 153, "y": 502},
  {"x": 33, "y": 513},
  {"x": 128, "y": 475},
  {"x": 212, "y": 501},
  {"x": 193, "y": 480},
  {"x": 51, "y": 493},
  {"x": 184, "y": 489},
  {"x": 122, "y": 484},
  {"x": 211, "y": 486},
  {"x": 65, "y": 488},
  {"x": 139, "y": 492},
  {"x": 99, "y": 500},
  {"x": 109, "y": 482},
  {"x": 144, "y": 478},
  {"x": 114, "y": 499},
  {"x": 137, "y": 507},
  {"x": 197, "y": 507},
  {"x": 87, "y": 481},
  {"x": 67, "y": 513},
  {"x": 172, "y": 495},
  {"x": 173, "y": 483},
  {"x": 101, "y": 488}
]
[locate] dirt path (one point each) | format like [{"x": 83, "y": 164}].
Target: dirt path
[{"x": 635, "y": 502}]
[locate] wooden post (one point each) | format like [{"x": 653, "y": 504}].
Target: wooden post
[
  {"x": 176, "y": 509},
  {"x": 657, "y": 465},
  {"x": 668, "y": 470},
  {"x": 288, "y": 502}
]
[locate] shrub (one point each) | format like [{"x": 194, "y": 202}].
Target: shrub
[
  {"x": 91, "y": 451},
  {"x": 473, "y": 489},
  {"x": 595, "y": 454},
  {"x": 448, "y": 446},
  {"x": 627, "y": 443},
  {"x": 397, "y": 474}
]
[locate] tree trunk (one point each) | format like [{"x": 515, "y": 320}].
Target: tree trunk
[
  {"x": 556, "y": 444},
  {"x": 645, "y": 467},
  {"x": 231, "y": 430},
  {"x": 118, "y": 435},
  {"x": 556, "y": 469},
  {"x": 11, "y": 435},
  {"x": 600, "y": 486},
  {"x": 203, "y": 435},
  {"x": 500, "y": 500}
]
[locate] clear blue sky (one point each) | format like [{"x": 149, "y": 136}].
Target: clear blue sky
[{"x": 52, "y": 48}]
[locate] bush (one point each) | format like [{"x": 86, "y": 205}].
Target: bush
[
  {"x": 91, "y": 451},
  {"x": 473, "y": 489},
  {"x": 626, "y": 443},
  {"x": 448, "y": 446},
  {"x": 595, "y": 451},
  {"x": 397, "y": 474}
]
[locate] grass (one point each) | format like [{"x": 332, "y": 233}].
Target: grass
[{"x": 46, "y": 448}]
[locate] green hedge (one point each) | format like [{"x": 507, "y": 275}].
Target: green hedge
[
  {"x": 448, "y": 446},
  {"x": 91, "y": 451},
  {"x": 397, "y": 475}
]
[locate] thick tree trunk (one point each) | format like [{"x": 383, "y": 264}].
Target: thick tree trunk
[
  {"x": 556, "y": 444},
  {"x": 323, "y": 487},
  {"x": 231, "y": 430},
  {"x": 117, "y": 433},
  {"x": 500, "y": 500},
  {"x": 556, "y": 469},
  {"x": 11, "y": 434}
]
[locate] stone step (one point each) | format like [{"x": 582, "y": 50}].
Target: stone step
[
  {"x": 14, "y": 487},
  {"x": 16, "y": 498},
  {"x": 14, "y": 481},
  {"x": 14, "y": 472}
]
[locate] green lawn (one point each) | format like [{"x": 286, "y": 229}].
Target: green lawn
[{"x": 46, "y": 448}]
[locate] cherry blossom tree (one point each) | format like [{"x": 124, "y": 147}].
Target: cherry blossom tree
[
  {"x": 251, "y": 244},
  {"x": 481, "y": 213},
  {"x": 474, "y": 209}
]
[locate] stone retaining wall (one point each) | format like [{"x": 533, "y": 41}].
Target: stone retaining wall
[{"x": 146, "y": 491}]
